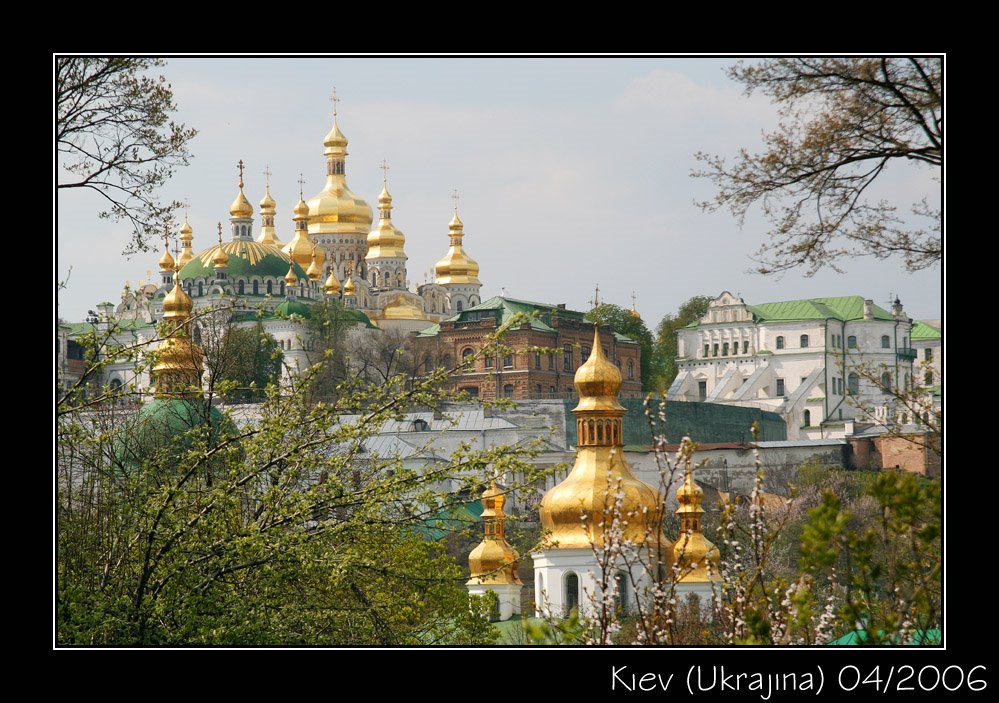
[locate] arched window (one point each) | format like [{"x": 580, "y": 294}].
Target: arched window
[
  {"x": 567, "y": 357},
  {"x": 508, "y": 390},
  {"x": 488, "y": 359},
  {"x": 239, "y": 287},
  {"x": 928, "y": 378},
  {"x": 851, "y": 342},
  {"x": 853, "y": 384},
  {"x": 459, "y": 306},
  {"x": 201, "y": 291},
  {"x": 725, "y": 349},
  {"x": 115, "y": 385},
  {"x": 707, "y": 350},
  {"x": 780, "y": 342},
  {"x": 256, "y": 287},
  {"x": 804, "y": 341},
  {"x": 374, "y": 280},
  {"x": 745, "y": 346},
  {"x": 270, "y": 287},
  {"x": 886, "y": 382},
  {"x": 507, "y": 361},
  {"x": 808, "y": 418},
  {"x": 571, "y": 592},
  {"x": 551, "y": 391},
  {"x": 537, "y": 362},
  {"x": 282, "y": 288},
  {"x": 551, "y": 362},
  {"x": 621, "y": 597},
  {"x": 714, "y": 350},
  {"x": 466, "y": 356},
  {"x": 885, "y": 342},
  {"x": 196, "y": 334},
  {"x": 584, "y": 354},
  {"x": 631, "y": 369},
  {"x": 448, "y": 361}
]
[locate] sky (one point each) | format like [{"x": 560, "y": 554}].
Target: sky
[{"x": 571, "y": 172}]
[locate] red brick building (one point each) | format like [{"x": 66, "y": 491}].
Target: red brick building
[{"x": 539, "y": 355}]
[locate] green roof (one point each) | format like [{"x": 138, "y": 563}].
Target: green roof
[
  {"x": 503, "y": 309},
  {"x": 845, "y": 308},
  {"x": 80, "y": 328},
  {"x": 923, "y": 331},
  {"x": 160, "y": 423},
  {"x": 246, "y": 258},
  {"x": 456, "y": 517},
  {"x": 920, "y": 637},
  {"x": 292, "y": 307}
]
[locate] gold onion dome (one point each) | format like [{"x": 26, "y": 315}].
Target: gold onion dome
[
  {"x": 315, "y": 271},
  {"x": 177, "y": 305},
  {"x": 349, "y": 287},
  {"x": 401, "y": 309},
  {"x": 241, "y": 207},
  {"x": 332, "y": 285},
  {"x": 456, "y": 266},
  {"x": 493, "y": 561},
  {"x": 186, "y": 236},
  {"x": 220, "y": 258},
  {"x": 693, "y": 555},
  {"x": 600, "y": 470},
  {"x": 290, "y": 278},
  {"x": 267, "y": 203},
  {"x": 386, "y": 240},
  {"x": 166, "y": 261},
  {"x": 301, "y": 246},
  {"x": 336, "y": 209}
]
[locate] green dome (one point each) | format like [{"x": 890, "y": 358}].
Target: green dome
[
  {"x": 357, "y": 316},
  {"x": 292, "y": 307},
  {"x": 161, "y": 422},
  {"x": 246, "y": 259}
]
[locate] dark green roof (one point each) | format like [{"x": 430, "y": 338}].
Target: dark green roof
[
  {"x": 292, "y": 307},
  {"x": 503, "y": 309},
  {"x": 80, "y": 328},
  {"x": 457, "y": 517},
  {"x": 845, "y": 308},
  {"x": 923, "y": 331},
  {"x": 245, "y": 259},
  {"x": 920, "y": 637},
  {"x": 160, "y": 423}
]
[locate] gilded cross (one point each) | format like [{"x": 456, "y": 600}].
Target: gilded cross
[
  {"x": 240, "y": 173},
  {"x": 220, "y": 234},
  {"x": 385, "y": 169},
  {"x": 334, "y": 100},
  {"x": 267, "y": 175},
  {"x": 454, "y": 197},
  {"x": 187, "y": 210},
  {"x": 301, "y": 184},
  {"x": 596, "y": 304}
]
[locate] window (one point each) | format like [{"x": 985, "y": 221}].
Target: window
[
  {"x": 507, "y": 361},
  {"x": 256, "y": 287},
  {"x": 270, "y": 287},
  {"x": 584, "y": 354},
  {"x": 459, "y": 306},
  {"x": 853, "y": 384},
  {"x": 886, "y": 382},
  {"x": 551, "y": 361},
  {"x": 282, "y": 288},
  {"x": 928, "y": 354},
  {"x": 571, "y": 592},
  {"x": 537, "y": 362},
  {"x": 804, "y": 341},
  {"x": 508, "y": 390},
  {"x": 489, "y": 361},
  {"x": 780, "y": 342},
  {"x": 928, "y": 378},
  {"x": 631, "y": 369},
  {"x": 885, "y": 342},
  {"x": 473, "y": 391},
  {"x": 808, "y": 418},
  {"x": 448, "y": 361},
  {"x": 421, "y": 425},
  {"x": 851, "y": 342},
  {"x": 466, "y": 356},
  {"x": 567, "y": 357},
  {"x": 725, "y": 349},
  {"x": 239, "y": 288},
  {"x": 714, "y": 349},
  {"x": 428, "y": 364},
  {"x": 702, "y": 390},
  {"x": 201, "y": 291},
  {"x": 551, "y": 391},
  {"x": 621, "y": 598},
  {"x": 707, "y": 350},
  {"x": 538, "y": 392},
  {"x": 780, "y": 388},
  {"x": 745, "y": 346}
]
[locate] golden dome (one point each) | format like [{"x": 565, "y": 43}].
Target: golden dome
[
  {"x": 267, "y": 203},
  {"x": 386, "y": 240},
  {"x": 186, "y": 237},
  {"x": 456, "y": 266},
  {"x": 177, "y": 305},
  {"x": 402, "y": 310},
  {"x": 695, "y": 554},
  {"x": 332, "y": 285},
  {"x": 493, "y": 561},
  {"x": 598, "y": 380},
  {"x": 300, "y": 248},
  {"x": 315, "y": 271},
  {"x": 335, "y": 209},
  {"x": 220, "y": 258},
  {"x": 241, "y": 207},
  {"x": 600, "y": 471},
  {"x": 166, "y": 261},
  {"x": 290, "y": 278},
  {"x": 301, "y": 210},
  {"x": 349, "y": 288},
  {"x": 335, "y": 138},
  {"x": 186, "y": 229}
]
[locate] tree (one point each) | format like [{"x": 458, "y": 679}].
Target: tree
[
  {"x": 844, "y": 120},
  {"x": 624, "y": 322},
  {"x": 246, "y": 360},
  {"x": 115, "y": 137},
  {"x": 666, "y": 349}
]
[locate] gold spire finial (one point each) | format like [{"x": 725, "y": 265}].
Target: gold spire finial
[
  {"x": 240, "y": 173},
  {"x": 334, "y": 100},
  {"x": 385, "y": 169},
  {"x": 166, "y": 236},
  {"x": 301, "y": 185},
  {"x": 220, "y": 233},
  {"x": 267, "y": 175},
  {"x": 596, "y": 304},
  {"x": 454, "y": 197},
  {"x": 187, "y": 210}
]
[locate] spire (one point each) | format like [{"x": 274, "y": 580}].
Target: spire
[
  {"x": 268, "y": 209},
  {"x": 186, "y": 237},
  {"x": 696, "y": 557},
  {"x": 332, "y": 285},
  {"x": 301, "y": 248},
  {"x": 166, "y": 261},
  {"x": 456, "y": 266},
  {"x": 634, "y": 311},
  {"x": 290, "y": 278},
  {"x": 493, "y": 561},
  {"x": 240, "y": 208},
  {"x": 178, "y": 367},
  {"x": 220, "y": 258},
  {"x": 386, "y": 243},
  {"x": 315, "y": 271}
]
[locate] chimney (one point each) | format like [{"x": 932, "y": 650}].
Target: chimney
[
  {"x": 896, "y": 309},
  {"x": 868, "y": 309}
]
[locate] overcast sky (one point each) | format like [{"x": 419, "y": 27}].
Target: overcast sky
[{"x": 571, "y": 172}]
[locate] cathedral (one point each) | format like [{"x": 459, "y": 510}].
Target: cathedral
[{"x": 337, "y": 251}]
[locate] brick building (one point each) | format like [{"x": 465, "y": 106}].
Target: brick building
[{"x": 545, "y": 350}]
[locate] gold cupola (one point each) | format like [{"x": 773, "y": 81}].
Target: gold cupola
[
  {"x": 337, "y": 210},
  {"x": 241, "y": 208},
  {"x": 694, "y": 555},
  {"x": 349, "y": 288},
  {"x": 456, "y": 266},
  {"x": 219, "y": 258},
  {"x": 600, "y": 471},
  {"x": 166, "y": 261},
  {"x": 332, "y": 285},
  {"x": 634, "y": 311},
  {"x": 186, "y": 239},
  {"x": 315, "y": 271},
  {"x": 178, "y": 360},
  {"x": 300, "y": 248},
  {"x": 385, "y": 241},
  {"x": 268, "y": 208},
  {"x": 290, "y": 278},
  {"x": 493, "y": 561}
]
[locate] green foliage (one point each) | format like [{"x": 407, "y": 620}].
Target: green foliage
[
  {"x": 252, "y": 360},
  {"x": 665, "y": 344},
  {"x": 630, "y": 325},
  {"x": 115, "y": 137}
]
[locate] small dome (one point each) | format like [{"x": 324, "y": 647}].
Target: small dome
[
  {"x": 349, "y": 288},
  {"x": 315, "y": 271},
  {"x": 335, "y": 138},
  {"x": 186, "y": 229},
  {"x": 291, "y": 278},
  {"x": 332, "y": 285},
  {"x": 301, "y": 210},
  {"x": 267, "y": 202},
  {"x": 177, "y": 303},
  {"x": 598, "y": 380},
  {"x": 241, "y": 207},
  {"x": 457, "y": 266},
  {"x": 220, "y": 258},
  {"x": 166, "y": 261},
  {"x": 292, "y": 307}
]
